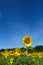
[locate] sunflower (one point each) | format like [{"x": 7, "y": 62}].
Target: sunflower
[
  {"x": 17, "y": 51},
  {"x": 11, "y": 52},
  {"x": 27, "y": 41},
  {"x": 11, "y": 60},
  {"x": 40, "y": 55}
]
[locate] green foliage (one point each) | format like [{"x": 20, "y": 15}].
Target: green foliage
[{"x": 38, "y": 48}]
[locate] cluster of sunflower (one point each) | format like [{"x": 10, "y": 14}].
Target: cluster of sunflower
[
  {"x": 17, "y": 57},
  {"x": 18, "y": 53}
]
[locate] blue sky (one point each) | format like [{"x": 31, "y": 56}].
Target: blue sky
[{"x": 19, "y": 18}]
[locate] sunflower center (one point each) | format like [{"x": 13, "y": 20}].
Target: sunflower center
[{"x": 27, "y": 40}]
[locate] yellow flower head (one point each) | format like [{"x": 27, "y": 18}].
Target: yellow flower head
[
  {"x": 11, "y": 52},
  {"x": 39, "y": 55},
  {"x": 11, "y": 60},
  {"x": 27, "y": 41},
  {"x": 17, "y": 51},
  {"x": 6, "y": 54}
]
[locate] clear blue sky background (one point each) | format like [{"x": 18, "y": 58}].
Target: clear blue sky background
[{"x": 19, "y": 18}]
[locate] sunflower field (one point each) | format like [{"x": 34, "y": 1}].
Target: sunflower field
[{"x": 22, "y": 56}]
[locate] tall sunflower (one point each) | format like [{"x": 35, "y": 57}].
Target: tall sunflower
[{"x": 27, "y": 41}]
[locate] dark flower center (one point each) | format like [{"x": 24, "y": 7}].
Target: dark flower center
[{"x": 27, "y": 40}]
